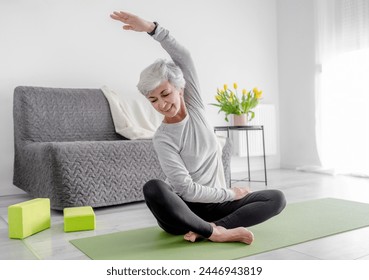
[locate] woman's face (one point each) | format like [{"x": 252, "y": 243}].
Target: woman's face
[{"x": 167, "y": 100}]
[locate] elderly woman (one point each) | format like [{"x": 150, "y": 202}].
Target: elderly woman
[{"x": 193, "y": 200}]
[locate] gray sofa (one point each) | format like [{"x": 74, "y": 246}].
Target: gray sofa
[{"x": 66, "y": 149}]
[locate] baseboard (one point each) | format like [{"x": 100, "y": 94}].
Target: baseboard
[{"x": 6, "y": 190}]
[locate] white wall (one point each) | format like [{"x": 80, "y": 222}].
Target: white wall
[
  {"x": 296, "y": 68},
  {"x": 75, "y": 44}
]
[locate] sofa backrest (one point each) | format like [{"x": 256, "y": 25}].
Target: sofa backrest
[{"x": 59, "y": 114}]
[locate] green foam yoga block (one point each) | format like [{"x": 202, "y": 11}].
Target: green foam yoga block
[
  {"x": 28, "y": 217},
  {"x": 79, "y": 218}
]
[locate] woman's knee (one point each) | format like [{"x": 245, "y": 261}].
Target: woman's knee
[
  {"x": 154, "y": 189},
  {"x": 279, "y": 200}
]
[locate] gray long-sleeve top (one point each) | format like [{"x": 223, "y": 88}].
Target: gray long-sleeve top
[{"x": 188, "y": 151}]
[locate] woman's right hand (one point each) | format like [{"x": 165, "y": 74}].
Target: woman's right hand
[
  {"x": 240, "y": 192},
  {"x": 133, "y": 22}
]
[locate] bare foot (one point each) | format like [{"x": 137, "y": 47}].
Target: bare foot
[
  {"x": 191, "y": 236},
  {"x": 240, "y": 234}
]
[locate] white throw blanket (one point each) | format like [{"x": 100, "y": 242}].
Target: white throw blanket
[{"x": 133, "y": 116}]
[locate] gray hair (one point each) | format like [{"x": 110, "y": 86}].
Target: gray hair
[{"x": 161, "y": 70}]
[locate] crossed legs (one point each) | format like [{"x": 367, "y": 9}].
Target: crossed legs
[{"x": 219, "y": 222}]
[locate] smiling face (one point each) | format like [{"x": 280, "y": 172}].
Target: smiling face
[{"x": 168, "y": 101}]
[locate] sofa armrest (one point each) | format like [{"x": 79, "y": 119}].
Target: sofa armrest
[
  {"x": 33, "y": 169},
  {"x": 226, "y": 158}
]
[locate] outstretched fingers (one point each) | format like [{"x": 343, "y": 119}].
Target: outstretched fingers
[{"x": 121, "y": 16}]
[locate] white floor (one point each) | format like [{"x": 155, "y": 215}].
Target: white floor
[{"x": 53, "y": 243}]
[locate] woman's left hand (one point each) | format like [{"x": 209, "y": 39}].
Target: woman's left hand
[
  {"x": 133, "y": 22},
  {"x": 240, "y": 192}
]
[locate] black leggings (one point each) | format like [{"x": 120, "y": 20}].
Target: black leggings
[{"x": 177, "y": 216}]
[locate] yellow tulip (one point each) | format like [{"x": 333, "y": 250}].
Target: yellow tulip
[
  {"x": 230, "y": 99},
  {"x": 235, "y": 86},
  {"x": 220, "y": 91},
  {"x": 217, "y": 97},
  {"x": 244, "y": 91},
  {"x": 225, "y": 87},
  {"x": 258, "y": 93}
]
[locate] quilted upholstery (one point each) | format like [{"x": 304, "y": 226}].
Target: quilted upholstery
[{"x": 66, "y": 149}]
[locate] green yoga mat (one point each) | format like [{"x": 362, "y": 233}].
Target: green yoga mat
[{"x": 299, "y": 222}]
